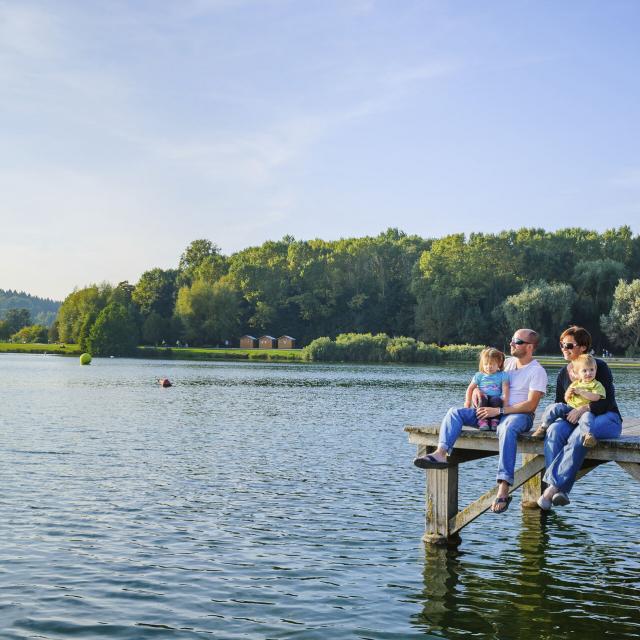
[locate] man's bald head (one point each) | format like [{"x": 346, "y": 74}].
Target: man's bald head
[{"x": 530, "y": 336}]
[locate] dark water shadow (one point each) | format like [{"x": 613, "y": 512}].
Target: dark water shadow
[{"x": 528, "y": 591}]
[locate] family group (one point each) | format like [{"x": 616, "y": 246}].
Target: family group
[{"x": 504, "y": 395}]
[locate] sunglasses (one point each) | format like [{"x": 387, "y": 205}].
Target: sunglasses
[
  {"x": 568, "y": 345},
  {"x": 518, "y": 341}
]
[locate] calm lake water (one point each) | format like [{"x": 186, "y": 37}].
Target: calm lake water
[{"x": 279, "y": 501}]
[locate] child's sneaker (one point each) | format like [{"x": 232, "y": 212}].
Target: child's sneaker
[
  {"x": 483, "y": 425},
  {"x": 540, "y": 432},
  {"x": 589, "y": 441},
  {"x": 493, "y": 423}
]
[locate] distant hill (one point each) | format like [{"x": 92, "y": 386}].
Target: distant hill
[{"x": 42, "y": 310}]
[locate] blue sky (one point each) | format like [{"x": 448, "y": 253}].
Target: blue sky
[{"x": 128, "y": 129}]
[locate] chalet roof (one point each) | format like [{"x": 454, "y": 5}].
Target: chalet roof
[
  {"x": 246, "y": 335},
  {"x": 268, "y": 337},
  {"x": 288, "y": 337}
]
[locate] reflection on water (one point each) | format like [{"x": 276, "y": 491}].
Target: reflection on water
[
  {"x": 545, "y": 586},
  {"x": 259, "y": 500}
]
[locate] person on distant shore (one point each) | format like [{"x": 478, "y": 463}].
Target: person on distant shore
[
  {"x": 489, "y": 387},
  {"x": 564, "y": 448},
  {"x": 527, "y": 385},
  {"x": 581, "y": 392}
]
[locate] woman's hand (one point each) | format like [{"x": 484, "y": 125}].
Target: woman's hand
[{"x": 574, "y": 415}]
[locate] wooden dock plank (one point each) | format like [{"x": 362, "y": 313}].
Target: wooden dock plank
[{"x": 624, "y": 449}]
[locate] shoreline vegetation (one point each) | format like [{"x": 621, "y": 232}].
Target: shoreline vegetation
[
  {"x": 351, "y": 348},
  {"x": 443, "y": 291}
]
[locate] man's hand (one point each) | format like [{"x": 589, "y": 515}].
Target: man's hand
[{"x": 484, "y": 413}]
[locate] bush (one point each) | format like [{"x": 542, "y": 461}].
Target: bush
[
  {"x": 429, "y": 353},
  {"x": 461, "y": 352},
  {"x": 33, "y": 333},
  {"x": 402, "y": 349},
  {"x": 321, "y": 350},
  {"x": 365, "y": 347},
  {"x": 362, "y": 347}
]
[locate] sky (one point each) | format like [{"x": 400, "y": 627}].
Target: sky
[{"x": 129, "y": 129}]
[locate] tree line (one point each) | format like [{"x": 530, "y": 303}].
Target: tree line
[{"x": 451, "y": 290}]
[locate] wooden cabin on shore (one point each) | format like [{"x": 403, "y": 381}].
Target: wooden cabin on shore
[
  {"x": 267, "y": 342},
  {"x": 286, "y": 342},
  {"x": 248, "y": 342}
]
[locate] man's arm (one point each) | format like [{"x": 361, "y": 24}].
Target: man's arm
[{"x": 528, "y": 406}]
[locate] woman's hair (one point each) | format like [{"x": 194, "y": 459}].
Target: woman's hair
[
  {"x": 491, "y": 354},
  {"x": 586, "y": 360},
  {"x": 579, "y": 334}
]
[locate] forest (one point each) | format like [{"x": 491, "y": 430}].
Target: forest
[{"x": 453, "y": 290}]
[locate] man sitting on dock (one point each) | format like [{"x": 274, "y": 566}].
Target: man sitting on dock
[{"x": 527, "y": 385}]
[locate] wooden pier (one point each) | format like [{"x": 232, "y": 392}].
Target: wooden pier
[{"x": 443, "y": 518}]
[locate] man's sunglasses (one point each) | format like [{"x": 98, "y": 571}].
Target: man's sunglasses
[
  {"x": 519, "y": 341},
  {"x": 568, "y": 345}
]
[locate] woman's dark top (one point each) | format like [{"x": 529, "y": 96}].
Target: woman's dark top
[{"x": 603, "y": 375}]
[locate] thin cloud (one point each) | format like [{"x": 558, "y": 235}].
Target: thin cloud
[{"x": 628, "y": 179}]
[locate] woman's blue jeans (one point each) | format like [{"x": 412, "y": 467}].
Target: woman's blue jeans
[{"x": 564, "y": 452}]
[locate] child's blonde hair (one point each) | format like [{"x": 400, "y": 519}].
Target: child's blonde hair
[
  {"x": 491, "y": 354},
  {"x": 586, "y": 360}
]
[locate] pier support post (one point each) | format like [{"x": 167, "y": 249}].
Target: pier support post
[
  {"x": 442, "y": 505},
  {"x": 531, "y": 489}
]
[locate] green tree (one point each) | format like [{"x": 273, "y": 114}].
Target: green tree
[
  {"x": 155, "y": 329},
  {"x": 85, "y": 329},
  {"x": 201, "y": 260},
  {"x": 208, "y": 311},
  {"x": 114, "y": 333},
  {"x": 156, "y": 292},
  {"x": 32, "y": 333},
  {"x": 622, "y": 324},
  {"x": 77, "y": 306},
  {"x": 53, "y": 334},
  {"x": 594, "y": 282},
  {"x": 17, "y": 318},
  {"x": 544, "y": 307},
  {"x": 5, "y": 330}
]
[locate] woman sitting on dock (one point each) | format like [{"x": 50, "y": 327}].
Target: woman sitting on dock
[{"x": 564, "y": 450}]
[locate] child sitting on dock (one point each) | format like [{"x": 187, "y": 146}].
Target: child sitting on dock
[
  {"x": 489, "y": 387},
  {"x": 581, "y": 392}
]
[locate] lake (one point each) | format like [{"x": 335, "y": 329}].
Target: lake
[{"x": 257, "y": 500}]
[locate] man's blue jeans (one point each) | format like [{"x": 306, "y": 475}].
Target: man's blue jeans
[
  {"x": 509, "y": 429},
  {"x": 564, "y": 452}
]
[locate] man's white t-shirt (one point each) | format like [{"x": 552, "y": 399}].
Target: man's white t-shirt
[{"x": 531, "y": 377}]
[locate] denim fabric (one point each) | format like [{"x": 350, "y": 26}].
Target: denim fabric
[
  {"x": 563, "y": 449},
  {"x": 559, "y": 411},
  {"x": 508, "y": 430}
]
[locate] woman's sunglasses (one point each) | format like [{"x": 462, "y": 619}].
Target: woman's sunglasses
[{"x": 568, "y": 345}]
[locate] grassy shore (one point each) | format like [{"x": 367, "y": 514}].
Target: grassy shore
[
  {"x": 190, "y": 353},
  {"x": 272, "y": 355},
  {"x": 57, "y": 349}
]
